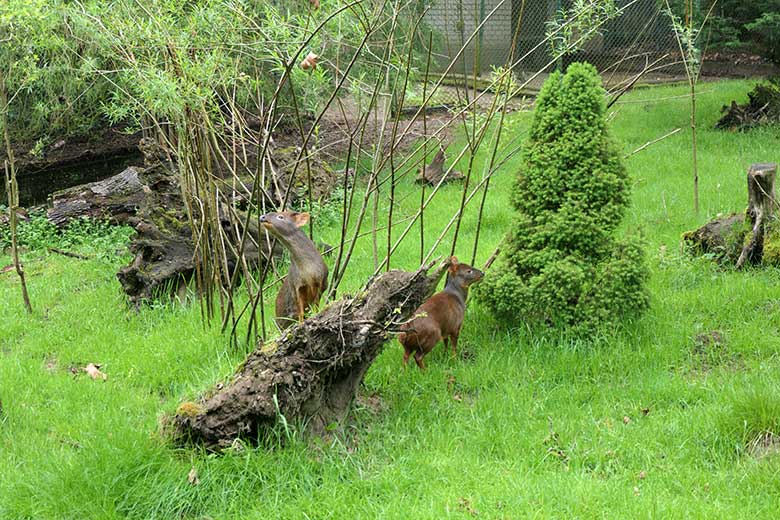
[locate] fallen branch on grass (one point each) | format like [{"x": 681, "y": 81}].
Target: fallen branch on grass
[
  {"x": 650, "y": 143},
  {"x": 68, "y": 253}
]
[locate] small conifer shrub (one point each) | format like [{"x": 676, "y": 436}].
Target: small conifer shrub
[{"x": 561, "y": 264}]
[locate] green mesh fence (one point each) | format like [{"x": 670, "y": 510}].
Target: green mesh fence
[{"x": 474, "y": 37}]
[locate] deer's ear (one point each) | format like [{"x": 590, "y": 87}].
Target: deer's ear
[
  {"x": 453, "y": 264},
  {"x": 300, "y": 219}
]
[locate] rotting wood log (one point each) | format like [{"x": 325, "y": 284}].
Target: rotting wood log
[
  {"x": 742, "y": 238},
  {"x": 721, "y": 238},
  {"x": 432, "y": 174},
  {"x": 310, "y": 376},
  {"x": 763, "y": 107},
  {"x": 762, "y": 203},
  {"x": 164, "y": 249},
  {"x": 116, "y": 198},
  {"x": 149, "y": 199}
]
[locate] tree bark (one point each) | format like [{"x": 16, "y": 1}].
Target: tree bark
[
  {"x": 310, "y": 376},
  {"x": 116, "y": 198},
  {"x": 12, "y": 189},
  {"x": 721, "y": 238}
]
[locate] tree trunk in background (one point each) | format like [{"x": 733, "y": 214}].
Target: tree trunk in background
[
  {"x": 310, "y": 376},
  {"x": 12, "y": 188},
  {"x": 13, "y": 215},
  {"x": 694, "y": 149}
]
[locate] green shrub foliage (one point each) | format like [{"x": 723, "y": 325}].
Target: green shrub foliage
[
  {"x": 561, "y": 264},
  {"x": 69, "y": 67}
]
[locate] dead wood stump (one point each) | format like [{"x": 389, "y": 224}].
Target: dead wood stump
[
  {"x": 434, "y": 173},
  {"x": 747, "y": 238},
  {"x": 763, "y": 107},
  {"x": 761, "y": 208},
  {"x": 310, "y": 376}
]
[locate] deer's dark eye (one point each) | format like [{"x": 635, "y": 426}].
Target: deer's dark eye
[{"x": 280, "y": 217}]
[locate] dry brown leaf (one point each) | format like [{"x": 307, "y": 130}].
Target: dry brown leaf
[
  {"x": 94, "y": 372},
  {"x": 626, "y": 419},
  {"x": 310, "y": 61},
  {"x": 642, "y": 475},
  {"x": 192, "y": 477},
  {"x": 315, "y": 4},
  {"x": 457, "y": 397}
]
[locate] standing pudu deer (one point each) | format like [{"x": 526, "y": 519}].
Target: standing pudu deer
[
  {"x": 307, "y": 278},
  {"x": 441, "y": 316}
]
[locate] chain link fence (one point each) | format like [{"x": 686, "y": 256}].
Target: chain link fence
[{"x": 474, "y": 37}]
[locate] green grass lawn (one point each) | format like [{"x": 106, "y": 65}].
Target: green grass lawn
[{"x": 639, "y": 422}]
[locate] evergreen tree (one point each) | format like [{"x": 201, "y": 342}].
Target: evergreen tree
[{"x": 562, "y": 264}]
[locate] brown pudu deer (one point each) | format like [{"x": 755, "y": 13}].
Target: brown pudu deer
[
  {"x": 307, "y": 277},
  {"x": 441, "y": 316}
]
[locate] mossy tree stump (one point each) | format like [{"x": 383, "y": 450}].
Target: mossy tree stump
[
  {"x": 749, "y": 238},
  {"x": 762, "y": 204}
]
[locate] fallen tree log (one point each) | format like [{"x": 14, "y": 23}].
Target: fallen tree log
[
  {"x": 750, "y": 238},
  {"x": 165, "y": 256},
  {"x": 721, "y": 238},
  {"x": 310, "y": 376},
  {"x": 149, "y": 199},
  {"x": 116, "y": 198}
]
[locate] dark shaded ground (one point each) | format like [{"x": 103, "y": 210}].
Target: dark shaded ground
[
  {"x": 101, "y": 144},
  {"x": 80, "y": 160}
]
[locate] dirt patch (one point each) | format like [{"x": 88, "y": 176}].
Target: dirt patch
[
  {"x": 729, "y": 64},
  {"x": 710, "y": 351},
  {"x": 708, "y": 341},
  {"x": 342, "y": 120},
  {"x": 372, "y": 402},
  {"x": 51, "y": 365}
]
